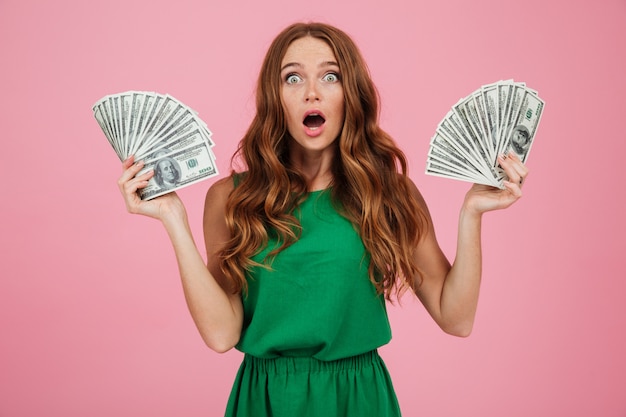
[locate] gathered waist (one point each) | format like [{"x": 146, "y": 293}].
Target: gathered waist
[{"x": 307, "y": 364}]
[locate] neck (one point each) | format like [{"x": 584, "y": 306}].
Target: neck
[{"x": 316, "y": 168}]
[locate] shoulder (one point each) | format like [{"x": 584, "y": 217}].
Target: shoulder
[
  {"x": 412, "y": 189},
  {"x": 220, "y": 190},
  {"x": 418, "y": 199},
  {"x": 217, "y": 195}
]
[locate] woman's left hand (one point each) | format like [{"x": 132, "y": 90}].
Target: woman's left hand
[{"x": 481, "y": 198}]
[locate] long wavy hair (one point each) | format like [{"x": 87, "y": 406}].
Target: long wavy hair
[{"x": 370, "y": 186}]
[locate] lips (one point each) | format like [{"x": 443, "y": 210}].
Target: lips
[{"x": 313, "y": 119}]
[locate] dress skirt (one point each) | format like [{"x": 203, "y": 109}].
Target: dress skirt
[{"x": 307, "y": 387}]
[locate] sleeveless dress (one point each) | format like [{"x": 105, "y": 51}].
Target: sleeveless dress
[{"x": 312, "y": 324}]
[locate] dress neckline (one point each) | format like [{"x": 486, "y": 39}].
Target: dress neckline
[{"x": 321, "y": 190}]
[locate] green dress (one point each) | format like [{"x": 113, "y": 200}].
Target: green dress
[{"x": 312, "y": 324}]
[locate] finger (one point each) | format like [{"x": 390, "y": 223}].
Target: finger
[
  {"x": 513, "y": 187},
  {"x": 514, "y": 168},
  {"x": 514, "y": 193},
  {"x": 129, "y": 190},
  {"x": 128, "y": 162},
  {"x": 130, "y": 186},
  {"x": 518, "y": 165},
  {"x": 130, "y": 171}
]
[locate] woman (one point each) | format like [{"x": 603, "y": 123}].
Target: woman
[{"x": 304, "y": 247}]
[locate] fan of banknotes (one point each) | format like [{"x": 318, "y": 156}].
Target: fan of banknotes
[
  {"x": 161, "y": 131},
  {"x": 496, "y": 119}
]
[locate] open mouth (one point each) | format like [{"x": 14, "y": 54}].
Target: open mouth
[{"x": 313, "y": 121}]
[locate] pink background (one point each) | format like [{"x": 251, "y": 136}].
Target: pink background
[{"x": 92, "y": 316}]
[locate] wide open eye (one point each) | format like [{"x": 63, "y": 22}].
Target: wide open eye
[
  {"x": 292, "y": 79},
  {"x": 331, "y": 77}
]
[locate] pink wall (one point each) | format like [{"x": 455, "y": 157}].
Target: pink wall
[{"x": 92, "y": 317}]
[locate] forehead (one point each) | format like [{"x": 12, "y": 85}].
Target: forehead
[{"x": 308, "y": 49}]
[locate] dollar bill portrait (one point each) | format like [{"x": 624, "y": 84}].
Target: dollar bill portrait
[
  {"x": 161, "y": 151},
  {"x": 520, "y": 140},
  {"x": 167, "y": 173}
]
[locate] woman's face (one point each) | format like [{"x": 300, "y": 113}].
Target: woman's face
[{"x": 312, "y": 95}]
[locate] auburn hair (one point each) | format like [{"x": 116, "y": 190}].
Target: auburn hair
[{"x": 370, "y": 186}]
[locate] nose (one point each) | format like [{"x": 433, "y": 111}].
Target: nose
[{"x": 312, "y": 92}]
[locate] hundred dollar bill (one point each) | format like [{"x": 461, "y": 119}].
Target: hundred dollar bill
[
  {"x": 175, "y": 124},
  {"x": 444, "y": 144},
  {"x": 481, "y": 115},
  {"x": 439, "y": 159},
  {"x": 461, "y": 117},
  {"x": 495, "y": 119},
  {"x": 516, "y": 95},
  {"x": 178, "y": 141},
  {"x": 168, "y": 137},
  {"x": 177, "y": 170},
  {"x": 106, "y": 127},
  {"x": 161, "y": 131},
  {"x": 146, "y": 109},
  {"x": 107, "y": 114},
  {"x": 162, "y": 108},
  {"x": 490, "y": 108},
  {"x": 524, "y": 126},
  {"x": 455, "y": 166},
  {"x": 437, "y": 168},
  {"x": 137, "y": 102},
  {"x": 125, "y": 102}
]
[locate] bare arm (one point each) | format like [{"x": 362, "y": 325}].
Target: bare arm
[
  {"x": 450, "y": 292},
  {"x": 217, "y": 313}
]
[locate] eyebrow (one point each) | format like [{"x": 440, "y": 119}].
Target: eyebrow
[{"x": 298, "y": 65}]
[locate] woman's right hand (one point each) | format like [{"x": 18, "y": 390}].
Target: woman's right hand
[{"x": 168, "y": 205}]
